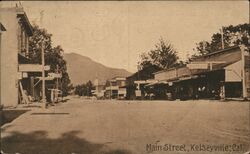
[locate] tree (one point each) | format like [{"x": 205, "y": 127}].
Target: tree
[
  {"x": 53, "y": 55},
  {"x": 84, "y": 89},
  {"x": 79, "y": 89},
  {"x": 232, "y": 36},
  {"x": 164, "y": 56},
  {"x": 90, "y": 87}
]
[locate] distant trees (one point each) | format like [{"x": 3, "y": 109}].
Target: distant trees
[
  {"x": 232, "y": 36},
  {"x": 84, "y": 89},
  {"x": 53, "y": 56}
]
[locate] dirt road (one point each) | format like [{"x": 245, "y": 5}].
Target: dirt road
[{"x": 123, "y": 127}]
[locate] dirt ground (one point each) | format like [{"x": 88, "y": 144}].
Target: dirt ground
[{"x": 124, "y": 127}]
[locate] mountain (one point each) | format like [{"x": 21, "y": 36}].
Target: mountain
[{"x": 82, "y": 69}]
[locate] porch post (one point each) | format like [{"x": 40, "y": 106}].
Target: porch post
[
  {"x": 222, "y": 91},
  {"x": 32, "y": 86}
]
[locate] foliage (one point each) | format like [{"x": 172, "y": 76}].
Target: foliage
[
  {"x": 84, "y": 89},
  {"x": 162, "y": 57},
  {"x": 53, "y": 55},
  {"x": 232, "y": 36}
]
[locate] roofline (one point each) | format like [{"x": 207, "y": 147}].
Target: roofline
[
  {"x": 21, "y": 13},
  {"x": 203, "y": 56},
  {"x": 217, "y": 52},
  {"x": 169, "y": 69}
]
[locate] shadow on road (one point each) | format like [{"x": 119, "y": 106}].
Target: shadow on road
[
  {"x": 68, "y": 143},
  {"x": 6, "y": 116}
]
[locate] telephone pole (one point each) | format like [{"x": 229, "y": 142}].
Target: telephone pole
[
  {"x": 43, "y": 77},
  {"x": 43, "y": 65},
  {"x": 222, "y": 39}
]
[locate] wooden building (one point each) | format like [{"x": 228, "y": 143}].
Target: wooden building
[
  {"x": 221, "y": 74},
  {"x": 115, "y": 88},
  {"x": 19, "y": 77}
]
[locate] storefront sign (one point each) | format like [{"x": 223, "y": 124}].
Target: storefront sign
[
  {"x": 55, "y": 75},
  {"x": 197, "y": 66},
  {"x": 46, "y": 78},
  {"x": 32, "y": 67}
]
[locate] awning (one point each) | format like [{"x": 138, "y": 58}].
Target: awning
[
  {"x": 151, "y": 84},
  {"x": 188, "y": 77},
  {"x": 156, "y": 83}
]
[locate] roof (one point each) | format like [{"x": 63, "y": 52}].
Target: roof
[
  {"x": 169, "y": 69},
  {"x": 217, "y": 52},
  {"x": 228, "y": 55}
]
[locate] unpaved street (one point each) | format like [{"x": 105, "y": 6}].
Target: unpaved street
[{"x": 123, "y": 127}]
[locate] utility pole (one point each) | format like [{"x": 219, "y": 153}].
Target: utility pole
[
  {"x": 43, "y": 76},
  {"x": 222, "y": 39},
  {"x": 43, "y": 65},
  {"x": 57, "y": 82}
]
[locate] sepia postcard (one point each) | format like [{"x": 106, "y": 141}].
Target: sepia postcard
[{"x": 125, "y": 77}]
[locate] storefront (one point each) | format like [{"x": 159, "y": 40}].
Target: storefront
[{"x": 214, "y": 76}]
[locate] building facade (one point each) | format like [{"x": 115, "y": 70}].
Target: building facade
[
  {"x": 115, "y": 88},
  {"x": 19, "y": 77},
  {"x": 135, "y": 83},
  {"x": 218, "y": 75},
  {"x": 14, "y": 48}
]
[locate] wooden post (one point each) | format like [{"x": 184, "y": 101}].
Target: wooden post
[
  {"x": 222, "y": 91},
  {"x": 0, "y": 65},
  {"x": 211, "y": 66},
  {"x": 57, "y": 82},
  {"x": 110, "y": 90},
  {"x": 27, "y": 45},
  {"x": 244, "y": 89},
  {"x": 32, "y": 87},
  {"x": 43, "y": 78}
]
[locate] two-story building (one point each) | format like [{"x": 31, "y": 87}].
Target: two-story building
[
  {"x": 99, "y": 89},
  {"x": 18, "y": 76},
  {"x": 115, "y": 88},
  {"x": 14, "y": 46}
]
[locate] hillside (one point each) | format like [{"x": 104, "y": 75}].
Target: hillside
[{"x": 81, "y": 69}]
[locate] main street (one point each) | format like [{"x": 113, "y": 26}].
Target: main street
[{"x": 124, "y": 127}]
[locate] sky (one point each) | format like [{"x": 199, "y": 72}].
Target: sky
[{"x": 115, "y": 33}]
